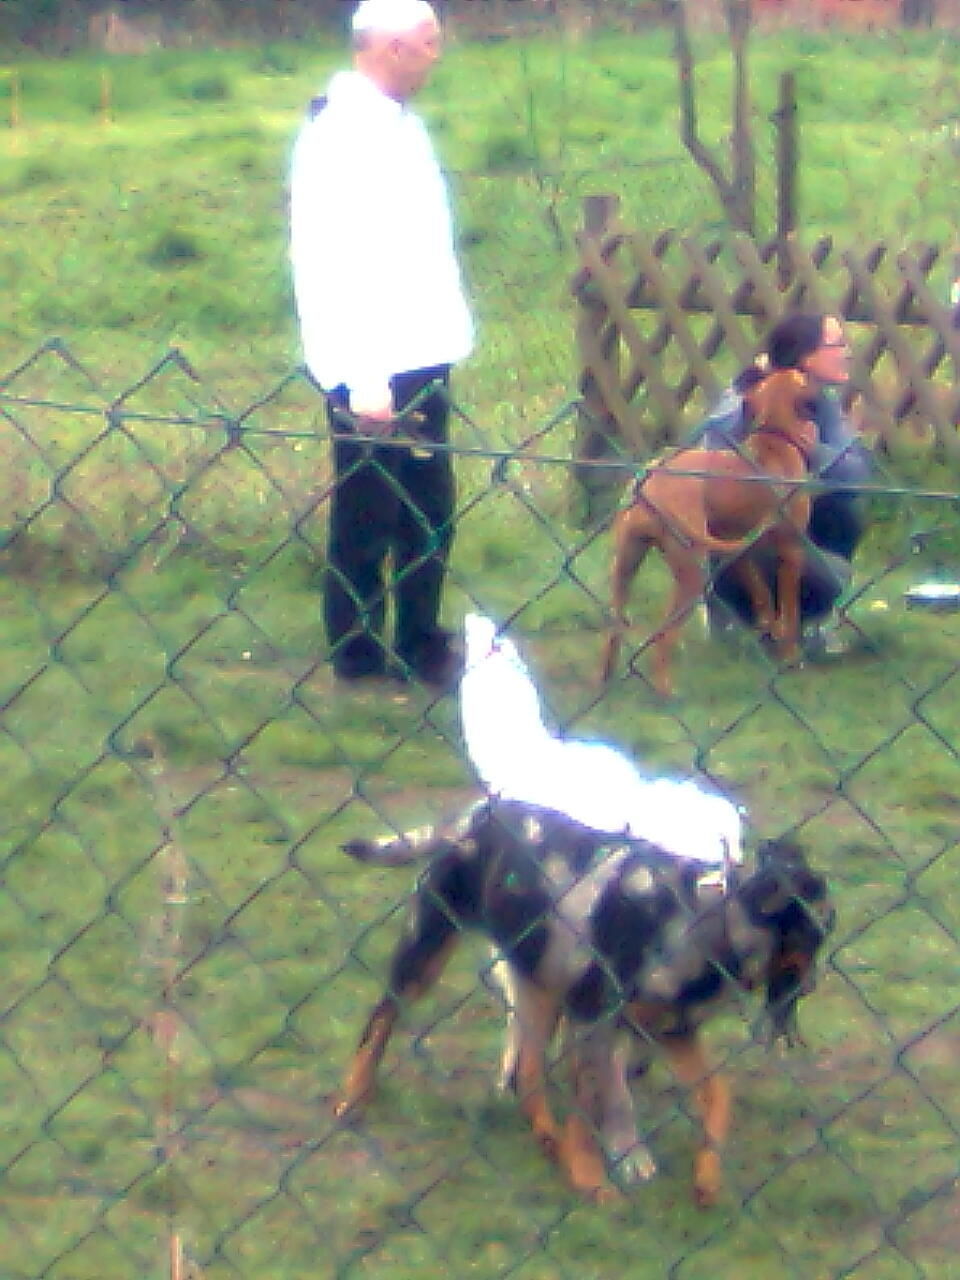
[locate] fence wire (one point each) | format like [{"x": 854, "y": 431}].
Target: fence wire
[{"x": 189, "y": 955}]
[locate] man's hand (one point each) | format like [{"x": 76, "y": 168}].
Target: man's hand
[
  {"x": 369, "y": 424},
  {"x": 374, "y": 413}
]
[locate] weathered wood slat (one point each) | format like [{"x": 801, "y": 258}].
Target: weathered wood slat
[
  {"x": 717, "y": 298},
  {"x": 614, "y": 295},
  {"x": 647, "y": 261},
  {"x": 762, "y": 281},
  {"x": 715, "y": 291},
  {"x": 946, "y": 344},
  {"x": 884, "y": 312}
]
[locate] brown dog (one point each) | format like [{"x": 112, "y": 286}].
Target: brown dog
[{"x": 720, "y": 501}]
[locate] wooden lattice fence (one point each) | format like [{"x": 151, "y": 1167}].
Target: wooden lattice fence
[{"x": 664, "y": 321}]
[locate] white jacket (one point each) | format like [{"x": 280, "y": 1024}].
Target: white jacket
[
  {"x": 376, "y": 279},
  {"x": 517, "y": 758}
]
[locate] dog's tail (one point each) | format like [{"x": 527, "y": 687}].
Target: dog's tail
[
  {"x": 401, "y": 850},
  {"x": 700, "y": 537}
]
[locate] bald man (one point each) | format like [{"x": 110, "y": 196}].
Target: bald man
[{"x": 383, "y": 318}]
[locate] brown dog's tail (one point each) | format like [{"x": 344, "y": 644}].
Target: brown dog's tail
[
  {"x": 399, "y": 851},
  {"x": 702, "y": 539}
]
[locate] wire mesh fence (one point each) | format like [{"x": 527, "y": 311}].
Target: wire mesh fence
[{"x": 189, "y": 952}]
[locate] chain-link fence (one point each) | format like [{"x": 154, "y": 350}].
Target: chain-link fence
[{"x": 189, "y": 955}]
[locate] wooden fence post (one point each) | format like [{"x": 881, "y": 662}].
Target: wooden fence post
[
  {"x": 598, "y": 437},
  {"x": 785, "y": 122}
]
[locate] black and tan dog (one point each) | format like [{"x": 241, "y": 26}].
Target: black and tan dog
[{"x": 609, "y": 935}]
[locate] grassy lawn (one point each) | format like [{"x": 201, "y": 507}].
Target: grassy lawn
[
  {"x": 189, "y": 956},
  {"x": 164, "y": 222},
  {"x": 177, "y": 727}
]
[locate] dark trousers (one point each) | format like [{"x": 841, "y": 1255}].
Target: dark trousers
[
  {"x": 835, "y": 528},
  {"x": 390, "y": 531}
]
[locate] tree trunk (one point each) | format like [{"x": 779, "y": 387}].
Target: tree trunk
[
  {"x": 744, "y": 152},
  {"x": 736, "y": 190}
]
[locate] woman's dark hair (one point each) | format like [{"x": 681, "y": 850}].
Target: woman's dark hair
[
  {"x": 794, "y": 338},
  {"x": 789, "y": 342}
]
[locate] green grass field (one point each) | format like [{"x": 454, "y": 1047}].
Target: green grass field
[{"x": 189, "y": 957}]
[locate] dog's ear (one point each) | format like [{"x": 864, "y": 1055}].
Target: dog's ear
[
  {"x": 781, "y": 866},
  {"x": 788, "y": 859},
  {"x": 804, "y": 396},
  {"x": 806, "y": 407},
  {"x": 783, "y": 853},
  {"x": 785, "y": 878},
  {"x": 784, "y": 391},
  {"x": 770, "y": 894}
]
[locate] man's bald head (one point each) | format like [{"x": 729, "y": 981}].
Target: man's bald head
[{"x": 396, "y": 43}]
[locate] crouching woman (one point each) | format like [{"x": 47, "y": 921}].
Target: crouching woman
[{"x": 816, "y": 346}]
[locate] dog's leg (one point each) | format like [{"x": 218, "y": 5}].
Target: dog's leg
[
  {"x": 688, "y": 581},
  {"x": 358, "y": 1086},
  {"x": 787, "y": 627},
  {"x": 534, "y": 1021},
  {"x": 631, "y": 544},
  {"x": 501, "y": 977},
  {"x": 791, "y": 558},
  {"x": 712, "y": 1094},
  {"x": 631, "y": 1159},
  {"x": 762, "y": 605},
  {"x": 581, "y": 1157},
  {"x": 417, "y": 964}
]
